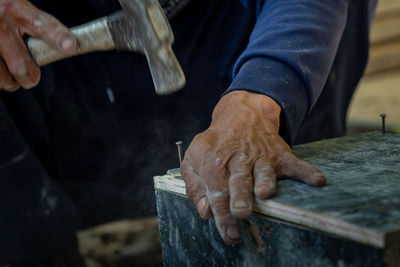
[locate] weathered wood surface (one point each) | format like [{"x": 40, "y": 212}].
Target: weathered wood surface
[
  {"x": 187, "y": 240},
  {"x": 363, "y": 174},
  {"x": 361, "y": 201}
]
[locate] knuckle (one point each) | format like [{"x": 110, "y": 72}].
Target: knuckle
[
  {"x": 219, "y": 200},
  {"x": 243, "y": 157},
  {"x": 19, "y": 68},
  {"x": 215, "y": 174},
  {"x": 40, "y": 23},
  {"x": 40, "y": 20},
  {"x": 241, "y": 174},
  {"x": 25, "y": 71}
]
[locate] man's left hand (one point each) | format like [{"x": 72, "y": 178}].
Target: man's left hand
[{"x": 238, "y": 158}]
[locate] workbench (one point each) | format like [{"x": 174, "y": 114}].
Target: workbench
[{"x": 352, "y": 221}]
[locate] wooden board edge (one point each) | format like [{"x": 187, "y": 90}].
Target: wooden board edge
[
  {"x": 292, "y": 215},
  {"x": 170, "y": 183},
  {"x": 320, "y": 222}
]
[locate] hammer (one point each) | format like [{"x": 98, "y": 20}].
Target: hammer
[{"x": 140, "y": 26}]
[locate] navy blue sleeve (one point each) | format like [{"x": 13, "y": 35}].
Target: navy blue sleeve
[{"x": 290, "y": 54}]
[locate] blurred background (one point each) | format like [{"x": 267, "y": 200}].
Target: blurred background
[
  {"x": 136, "y": 242},
  {"x": 379, "y": 90}
]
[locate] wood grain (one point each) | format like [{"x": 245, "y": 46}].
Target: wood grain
[
  {"x": 361, "y": 201},
  {"x": 384, "y": 57},
  {"x": 385, "y": 30},
  {"x": 387, "y": 7}
]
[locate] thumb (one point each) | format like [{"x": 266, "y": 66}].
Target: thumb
[
  {"x": 299, "y": 170},
  {"x": 195, "y": 190}
]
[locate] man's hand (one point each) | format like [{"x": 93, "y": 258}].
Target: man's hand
[
  {"x": 19, "y": 18},
  {"x": 240, "y": 156}
]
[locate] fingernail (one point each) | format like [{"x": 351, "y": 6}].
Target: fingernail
[
  {"x": 240, "y": 204},
  {"x": 201, "y": 206},
  {"x": 318, "y": 179},
  {"x": 9, "y": 86},
  {"x": 68, "y": 45},
  {"x": 233, "y": 232}
]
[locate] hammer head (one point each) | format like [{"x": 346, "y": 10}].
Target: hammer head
[{"x": 141, "y": 26}]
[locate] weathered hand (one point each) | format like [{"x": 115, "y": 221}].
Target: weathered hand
[
  {"x": 240, "y": 156},
  {"x": 19, "y": 18}
]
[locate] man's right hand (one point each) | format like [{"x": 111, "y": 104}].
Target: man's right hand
[{"x": 19, "y": 18}]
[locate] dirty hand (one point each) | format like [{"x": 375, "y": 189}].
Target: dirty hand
[
  {"x": 19, "y": 18},
  {"x": 238, "y": 158}
]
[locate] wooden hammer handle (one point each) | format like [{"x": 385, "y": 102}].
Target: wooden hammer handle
[{"x": 93, "y": 36}]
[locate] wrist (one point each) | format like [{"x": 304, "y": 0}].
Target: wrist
[{"x": 245, "y": 102}]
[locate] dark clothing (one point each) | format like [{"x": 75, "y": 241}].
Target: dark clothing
[{"x": 95, "y": 126}]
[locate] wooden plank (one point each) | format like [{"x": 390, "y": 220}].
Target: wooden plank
[
  {"x": 175, "y": 185},
  {"x": 387, "y": 8},
  {"x": 385, "y": 30},
  {"x": 384, "y": 57},
  {"x": 188, "y": 240},
  {"x": 362, "y": 199},
  {"x": 376, "y": 94}
]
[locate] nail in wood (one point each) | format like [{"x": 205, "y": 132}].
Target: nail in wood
[
  {"x": 383, "y": 116},
  {"x": 180, "y": 152}
]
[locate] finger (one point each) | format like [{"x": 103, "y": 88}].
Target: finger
[
  {"x": 264, "y": 179},
  {"x": 297, "y": 169},
  {"x": 215, "y": 175},
  {"x": 7, "y": 82},
  {"x": 210, "y": 163},
  {"x": 195, "y": 190},
  {"x": 39, "y": 24},
  {"x": 19, "y": 62},
  {"x": 241, "y": 187},
  {"x": 227, "y": 225}
]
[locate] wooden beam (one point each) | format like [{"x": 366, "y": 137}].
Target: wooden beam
[
  {"x": 384, "y": 57},
  {"x": 384, "y": 31},
  {"x": 358, "y": 203},
  {"x": 387, "y": 8}
]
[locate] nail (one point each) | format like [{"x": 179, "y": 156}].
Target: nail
[
  {"x": 180, "y": 153},
  {"x": 240, "y": 204},
  {"x": 9, "y": 86},
  {"x": 383, "y": 116},
  {"x": 233, "y": 233}
]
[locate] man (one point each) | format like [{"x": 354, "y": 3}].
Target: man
[{"x": 94, "y": 132}]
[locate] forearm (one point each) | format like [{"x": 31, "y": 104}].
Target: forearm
[{"x": 290, "y": 54}]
